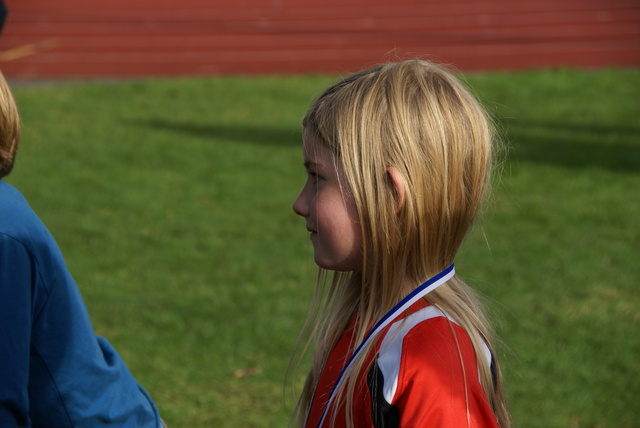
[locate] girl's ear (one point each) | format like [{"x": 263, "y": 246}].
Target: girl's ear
[{"x": 397, "y": 181}]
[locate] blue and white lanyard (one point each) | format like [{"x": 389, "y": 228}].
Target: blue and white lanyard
[{"x": 424, "y": 289}]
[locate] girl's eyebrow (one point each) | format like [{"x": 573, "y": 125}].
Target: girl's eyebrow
[{"x": 311, "y": 164}]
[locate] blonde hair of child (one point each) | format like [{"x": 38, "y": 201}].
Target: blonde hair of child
[
  {"x": 9, "y": 128},
  {"x": 418, "y": 118}
]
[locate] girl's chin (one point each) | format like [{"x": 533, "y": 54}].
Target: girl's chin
[{"x": 332, "y": 265}]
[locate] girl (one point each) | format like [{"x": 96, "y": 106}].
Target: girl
[{"x": 398, "y": 158}]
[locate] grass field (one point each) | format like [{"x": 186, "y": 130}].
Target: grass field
[{"x": 171, "y": 200}]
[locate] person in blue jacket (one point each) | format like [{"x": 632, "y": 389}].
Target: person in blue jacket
[{"x": 54, "y": 371}]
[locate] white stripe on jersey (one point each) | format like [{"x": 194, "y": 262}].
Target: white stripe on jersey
[{"x": 390, "y": 352}]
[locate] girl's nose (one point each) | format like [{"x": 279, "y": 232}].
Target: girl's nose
[{"x": 300, "y": 205}]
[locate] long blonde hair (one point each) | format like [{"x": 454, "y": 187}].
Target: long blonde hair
[
  {"x": 416, "y": 117},
  {"x": 9, "y": 128}
]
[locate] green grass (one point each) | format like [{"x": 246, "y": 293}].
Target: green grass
[{"x": 171, "y": 200}]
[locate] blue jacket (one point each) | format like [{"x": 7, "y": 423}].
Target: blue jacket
[{"x": 54, "y": 371}]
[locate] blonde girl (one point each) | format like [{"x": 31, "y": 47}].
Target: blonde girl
[{"x": 398, "y": 158}]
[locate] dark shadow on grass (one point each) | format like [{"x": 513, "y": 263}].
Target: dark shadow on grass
[
  {"x": 573, "y": 145},
  {"x": 249, "y": 134}
]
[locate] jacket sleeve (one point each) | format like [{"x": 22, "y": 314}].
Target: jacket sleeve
[{"x": 16, "y": 272}]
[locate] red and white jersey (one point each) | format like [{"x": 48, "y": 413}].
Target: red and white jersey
[{"x": 417, "y": 378}]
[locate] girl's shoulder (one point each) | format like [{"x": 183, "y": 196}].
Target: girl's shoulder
[
  {"x": 426, "y": 331},
  {"x": 425, "y": 345},
  {"x": 426, "y": 366}
]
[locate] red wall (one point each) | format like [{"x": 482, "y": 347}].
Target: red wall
[{"x": 74, "y": 38}]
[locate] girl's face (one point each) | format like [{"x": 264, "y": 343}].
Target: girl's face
[{"x": 331, "y": 216}]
